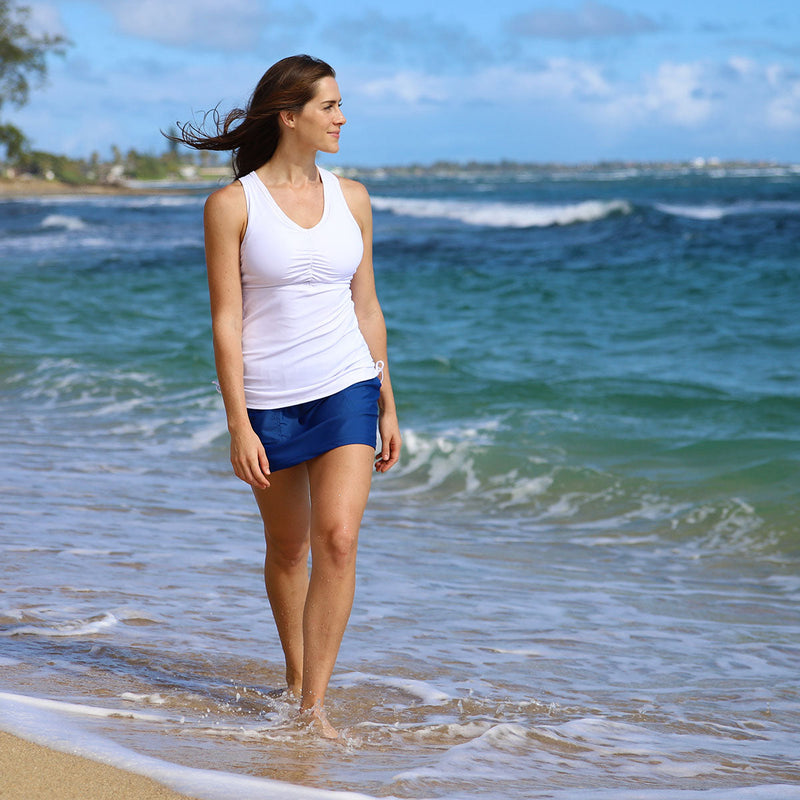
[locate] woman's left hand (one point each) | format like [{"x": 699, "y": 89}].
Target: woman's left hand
[{"x": 391, "y": 442}]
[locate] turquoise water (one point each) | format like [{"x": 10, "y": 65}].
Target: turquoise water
[{"x": 582, "y": 578}]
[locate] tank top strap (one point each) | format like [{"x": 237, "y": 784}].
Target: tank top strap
[
  {"x": 249, "y": 190},
  {"x": 336, "y": 204}
]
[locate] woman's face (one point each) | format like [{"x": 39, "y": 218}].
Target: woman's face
[{"x": 320, "y": 121}]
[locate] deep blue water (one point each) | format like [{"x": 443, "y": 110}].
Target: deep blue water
[{"x": 582, "y": 576}]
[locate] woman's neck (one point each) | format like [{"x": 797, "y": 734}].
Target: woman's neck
[{"x": 290, "y": 167}]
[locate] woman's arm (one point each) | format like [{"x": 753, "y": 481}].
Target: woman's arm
[
  {"x": 372, "y": 325},
  {"x": 225, "y": 220}
]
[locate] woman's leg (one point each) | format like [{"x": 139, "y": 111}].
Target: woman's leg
[
  {"x": 285, "y": 510},
  {"x": 339, "y": 483}
]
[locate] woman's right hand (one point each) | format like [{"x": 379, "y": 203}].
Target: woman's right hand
[{"x": 249, "y": 459}]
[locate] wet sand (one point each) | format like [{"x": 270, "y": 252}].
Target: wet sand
[{"x": 31, "y": 772}]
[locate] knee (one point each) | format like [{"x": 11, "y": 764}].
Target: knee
[
  {"x": 289, "y": 555},
  {"x": 338, "y": 542}
]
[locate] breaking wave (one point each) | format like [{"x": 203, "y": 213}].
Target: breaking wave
[{"x": 502, "y": 215}]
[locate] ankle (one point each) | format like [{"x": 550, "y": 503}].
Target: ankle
[
  {"x": 294, "y": 683},
  {"x": 317, "y": 720}
]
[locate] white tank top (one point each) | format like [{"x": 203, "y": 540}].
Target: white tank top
[{"x": 300, "y": 335}]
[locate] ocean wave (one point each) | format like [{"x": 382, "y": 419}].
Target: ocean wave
[
  {"x": 163, "y": 201},
  {"x": 87, "y": 627},
  {"x": 424, "y": 692},
  {"x": 38, "y": 624},
  {"x": 502, "y": 215},
  {"x": 714, "y": 211},
  {"x": 57, "y": 725},
  {"x": 480, "y": 466},
  {"x": 133, "y": 697},
  {"x": 65, "y": 221},
  {"x": 77, "y": 709},
  {"x": 118, "y": 390},
  {"x": 113, "y": 200},
  {"x": 496, "y": 755},
  {"x": 65, "y": 381},
  {"x": 483, "y": 757}
]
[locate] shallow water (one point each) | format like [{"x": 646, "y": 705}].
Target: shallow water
[{"x": 581, "y": 580}]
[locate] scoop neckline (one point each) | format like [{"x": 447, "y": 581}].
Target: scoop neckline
[{"x": 283, "y": 215}]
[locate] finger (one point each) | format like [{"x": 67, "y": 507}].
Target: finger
[
  {"x": 259, "y": 472},
  {"x": 263, "y": 462},
  {"x": 388, "y": 456},
  {"x": 394, "y": 452},
  {"x": 263, "y": 468},
  {"x": 258, "y": 481},
  {"x": 251, "y": 473},
  {"x": 387, "y": 444}
]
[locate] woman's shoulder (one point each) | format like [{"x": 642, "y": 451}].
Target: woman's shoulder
[
  {"x": 226, "y": 209},
  {"x": 352, "y": 188},
  {"x": 229, "y": 199},
  {"x": 357, "y": 197}
]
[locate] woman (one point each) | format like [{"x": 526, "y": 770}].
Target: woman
[{"x": 300, "y": 351}]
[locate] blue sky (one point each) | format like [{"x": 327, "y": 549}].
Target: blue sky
[{"x": 536, "y": 80}]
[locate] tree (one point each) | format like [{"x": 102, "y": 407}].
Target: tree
[
  {"x": 13, "y": 139},
  {"x": 22, "y": 60}
]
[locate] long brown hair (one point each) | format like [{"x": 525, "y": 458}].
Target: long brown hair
[{"x": 252, "y": 133}]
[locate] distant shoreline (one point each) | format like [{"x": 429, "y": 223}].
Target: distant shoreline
[
  {"x": 33, "y": 187},
  {"x": 505, "y": 167},
  {"x": 29, "y": 186}
]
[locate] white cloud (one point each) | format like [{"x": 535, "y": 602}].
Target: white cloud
[
  {"x": 686, "y": 96},
  {"x": 230, "y": 26},
  {"x": 742, "y": 66},
  {"x": 678, "y": 94},
  {"x": 45, "y": 18},
  {"x": 591, "y": 20},
  {"x": 783, "y": 112},
  {"x": 419, "y": 39},
  {"x": 555, "y": 80},
  {"x": 783, "y": 109},
  {"x": 404, "y": 89}
]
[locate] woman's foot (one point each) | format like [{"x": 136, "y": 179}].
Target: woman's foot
[
  {"x": 318, "y": 721},
  {"x": 287, "y": 693}
]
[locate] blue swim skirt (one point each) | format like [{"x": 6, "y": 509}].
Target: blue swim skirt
[{"x": 297, "y": 433}]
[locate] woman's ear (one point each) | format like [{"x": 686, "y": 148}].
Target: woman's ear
[{"x": 287, "y": 118}]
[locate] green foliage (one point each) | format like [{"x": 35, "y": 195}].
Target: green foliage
[
  {"x": 170, "y": 165},
  {"x": 22, "y": 55},
  {"x": 146, "y": 167},
  {"x": 23, "y": 63},
  {"x": 22, "y": 59},
  {"x": 13, "y": 139},
  {"x": 52, "y": 167}
]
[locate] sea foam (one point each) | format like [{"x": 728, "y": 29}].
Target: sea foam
[
  {"x": 502, "y": 215},
  {"x": 48, "y": 723},
  {"x": 712, "y": 211},
  {"x": 70, "y": 223},
  {"x": 424, "y": 692},
  {"x": 74, "y": 628}
]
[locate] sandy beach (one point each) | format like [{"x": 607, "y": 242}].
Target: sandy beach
[
  {"x": 37, "y": 187},
  {"x": 31, "y": 772}
]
